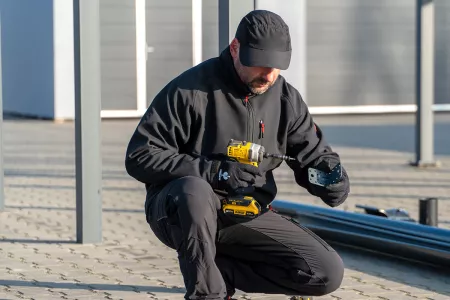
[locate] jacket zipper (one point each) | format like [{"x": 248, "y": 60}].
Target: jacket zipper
[{"x": 250, "y": 114}]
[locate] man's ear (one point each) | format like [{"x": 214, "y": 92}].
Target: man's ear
[{"x": 234, "y": 48}]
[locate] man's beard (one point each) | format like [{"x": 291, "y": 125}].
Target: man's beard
[{"x": 255, "y": 87}]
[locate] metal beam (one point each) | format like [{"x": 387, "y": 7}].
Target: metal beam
[
  {"x": 2, "y": 195},
  {"x": 425, "y": 83},
  {"x": 142, "y": 51},
  {"x": 405, "y": 240},
  {"x": 230, "y": 14},
  {"x": 197, "y": 32},
  {"x": 87, "y": 121}
]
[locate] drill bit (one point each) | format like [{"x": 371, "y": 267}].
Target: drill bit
[{"x": 279, "y": 156}]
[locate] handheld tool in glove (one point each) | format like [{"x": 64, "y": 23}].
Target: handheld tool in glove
[{"x": 238, "y": 202}]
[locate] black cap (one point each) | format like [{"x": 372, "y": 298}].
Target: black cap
[{"x": 264, "y": 40}]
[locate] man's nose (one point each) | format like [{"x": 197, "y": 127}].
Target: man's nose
[{"x": 268, "y": 74}]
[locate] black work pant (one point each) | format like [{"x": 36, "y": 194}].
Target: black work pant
[{"x": 217, "y": 253}]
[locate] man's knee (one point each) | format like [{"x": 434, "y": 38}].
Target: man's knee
[
  {"x": 195, "y": 195},
  {"x": 333, "y": 273},
  {"x": 328, "y": 275},
  {"x": 193, "y": 186}
]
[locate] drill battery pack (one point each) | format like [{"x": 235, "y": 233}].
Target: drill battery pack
[{"x": 243, "y": 206}]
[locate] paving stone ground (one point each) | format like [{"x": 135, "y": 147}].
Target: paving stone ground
[{"x": 40, "y": 260}]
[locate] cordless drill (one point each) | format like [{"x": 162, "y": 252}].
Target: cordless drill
[{"x": 247, "y": 153}]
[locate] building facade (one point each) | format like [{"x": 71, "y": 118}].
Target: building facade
[{"x": 348, "y": 55}]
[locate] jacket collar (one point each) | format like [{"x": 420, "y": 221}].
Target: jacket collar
[{"x": 232, "y": 76}]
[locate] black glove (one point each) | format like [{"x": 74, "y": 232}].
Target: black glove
[
  {"x": 333, "y": 194},
  {"x": 232, "y": 175}
]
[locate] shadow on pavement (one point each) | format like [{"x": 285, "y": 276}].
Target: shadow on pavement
[
  {"x": 410, "y": 273},
  {"x": 365, "y": 196},
  {"x": 69, "y": 187},
  {"x": 51, "y": 173},
  {"x": 82, "y": 286},
  {"x": 394, "y": 137},
  {"x": 55, "y": 208},
  {"x": 31, "y": 241}
]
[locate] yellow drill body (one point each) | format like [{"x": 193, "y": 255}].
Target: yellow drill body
[{"x": 245, "y": 152}]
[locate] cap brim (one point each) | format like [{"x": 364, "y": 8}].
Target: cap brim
[{"x": 252, "y": 57}]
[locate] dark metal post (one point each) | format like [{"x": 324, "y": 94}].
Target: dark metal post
[
  {"x": 87, "y": 121},
  {"x": 428, "y": 211},
  {"x": 2, "y": 195},
  {"x": 424, "y": 83},
  {"x": 230, "y": 14}
]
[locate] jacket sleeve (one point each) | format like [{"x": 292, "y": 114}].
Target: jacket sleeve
[
  {"x": 307, "y": 144},
  {"x": 155, "y": 153}
]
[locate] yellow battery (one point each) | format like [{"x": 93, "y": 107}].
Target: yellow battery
[{"x": 245, "y": 206}]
